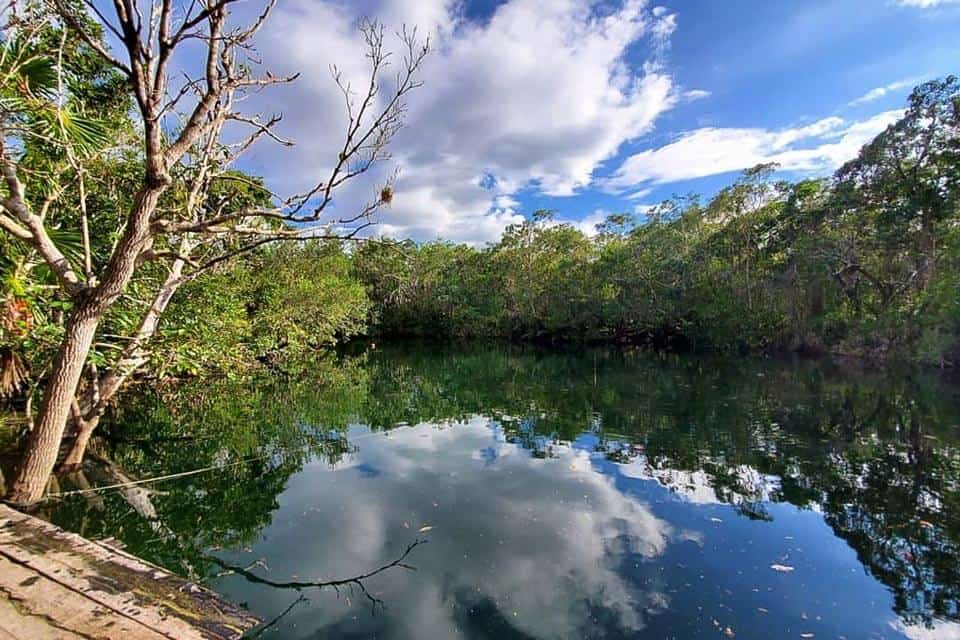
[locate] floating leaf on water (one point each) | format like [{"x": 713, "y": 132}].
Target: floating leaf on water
[
  {"x": 782, "y": 568},
  {"x": 425, "y": 528}
]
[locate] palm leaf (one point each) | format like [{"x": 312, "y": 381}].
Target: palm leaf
[
  {"x": 28, "y": 88},
  {"x": 39, "y": 74},
  {"x": 70, "y": 242},
  {"x": 62, "y": 126},
  {"x": 23, "y": 71}
]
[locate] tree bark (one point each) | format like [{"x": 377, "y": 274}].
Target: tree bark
[
  {"x": 131, "y": 359},
  {"x": 134, "y": 355},
  {"x": 79, "y": 446},
  {"x": 43, "y": 445}
]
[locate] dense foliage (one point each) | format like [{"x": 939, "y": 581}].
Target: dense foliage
[{"x": 865, "y": 262}]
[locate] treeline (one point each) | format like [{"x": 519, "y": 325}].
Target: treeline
[{"x": 866, "y": 262}]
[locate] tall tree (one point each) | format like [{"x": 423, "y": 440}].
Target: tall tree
[
  {"x": 174, "y": 225},
  {"x": 904, "y": 184}
]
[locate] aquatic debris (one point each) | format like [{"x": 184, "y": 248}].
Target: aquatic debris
[{"x": 782, "y": 568}]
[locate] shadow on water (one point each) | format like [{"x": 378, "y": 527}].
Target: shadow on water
[{"x": 572, "y": 493}]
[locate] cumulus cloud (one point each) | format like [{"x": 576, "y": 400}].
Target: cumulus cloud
[
  {"x": 879, "y": 92},
  {"x": 698, "y": 487},
  {"x": 820, "y": 146},
  {"x": 536, "y": 96}
]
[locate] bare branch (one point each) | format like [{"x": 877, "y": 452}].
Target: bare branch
[
  {"x": 15, "y": 203},
  {"x": 356, "y": 581},
  {"x": 261, "y": 129},
  {"x": 365, "y": 144},
  {"x": 94, "y": 43},
  {"x": 16, "y": 230}
]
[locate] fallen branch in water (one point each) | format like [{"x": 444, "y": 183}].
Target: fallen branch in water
[{"x": 355, "y": 581}]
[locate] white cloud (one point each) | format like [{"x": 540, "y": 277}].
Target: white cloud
[
  {"x": 938, "y": 630},
  {"x": 536, "y": 97},
  {"x": 879, "y": 92},
  {"x": 639, "y": 194},
  {"x": 818, "y": 147},
  {"x": 925, "y": 4},
  {"x": 699, "y": 488},
  {"x": 588, "y": 224},
  {"x": 696, "y": 94}
]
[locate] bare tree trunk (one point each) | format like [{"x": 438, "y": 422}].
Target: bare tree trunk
[
  {"x": 131, "y": 359},
  {"x": 135, "y": 354},
  {"x": 43, "y": 445},
  {"x": 79, "y": 446}
]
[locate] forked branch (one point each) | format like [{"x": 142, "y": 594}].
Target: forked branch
[{"x": 336, "y": 585}]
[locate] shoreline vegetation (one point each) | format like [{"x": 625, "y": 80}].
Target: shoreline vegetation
[
  {"x": 863, "y": 264},
  {"x": 133, "y": 247}
]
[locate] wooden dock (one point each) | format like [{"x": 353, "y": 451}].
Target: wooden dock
[{"x": 56, "y": 584}]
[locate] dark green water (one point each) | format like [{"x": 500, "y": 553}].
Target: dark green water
[{"x": 564, "y": 495}]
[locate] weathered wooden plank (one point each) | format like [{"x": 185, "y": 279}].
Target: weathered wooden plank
[
  {"x": 45, "y": 605},
  {"x": 119, "y": 582},
  {"x": 16, "y": 625}
]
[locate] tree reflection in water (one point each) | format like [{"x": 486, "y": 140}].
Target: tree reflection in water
[{"x": 875, "y": 454}]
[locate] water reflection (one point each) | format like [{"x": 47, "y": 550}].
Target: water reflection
[
  {"x": 568, "y": 495},
  {"x": 539, "y": 544}
]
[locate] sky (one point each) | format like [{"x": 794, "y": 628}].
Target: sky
[{"x": 591, "y": 108}]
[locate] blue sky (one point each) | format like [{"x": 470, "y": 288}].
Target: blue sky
[
  {"x": 596, "y": 107},
  {"x": 777, "y": 65}
]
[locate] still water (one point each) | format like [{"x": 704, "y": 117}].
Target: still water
[{"x": 587, "y": 494}]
